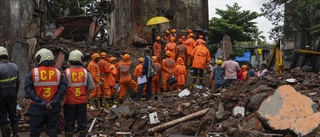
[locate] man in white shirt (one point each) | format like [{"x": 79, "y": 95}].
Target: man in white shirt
[{"x": 263, "y": 69}]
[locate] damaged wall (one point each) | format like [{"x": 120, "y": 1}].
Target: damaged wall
[{"x": 127, "y": 21}]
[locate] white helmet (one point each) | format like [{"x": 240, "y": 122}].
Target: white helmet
[
  {"x": 3, "y": 51},
  {"x": 76, "y": 55},
  {"x": 44, "y": 55}
]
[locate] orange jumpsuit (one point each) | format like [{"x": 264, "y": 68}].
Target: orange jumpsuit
[
  {"x": 168, "y": 66},
  {"x": 157, "y": 50},
  {"x": 172, "y": 46},
  {"x": 94, "y": 70},
  {"x": 190, "y": 46},
  {"x": 104, "y": 70},
  {"x": 201, "y": 57},
  {"x": 137, "y": 73},
  {"x": 182, "y": 51},
  {"x": 111, "y": 79},
  {"x": 125, "y": 78},
  {"x": 199, "y": 41},
  {"x": 156, "y": 78},
  {"x": 181, "y": 73}
]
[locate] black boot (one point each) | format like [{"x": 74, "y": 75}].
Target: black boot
[
  {"x": 101, "y": 104},
  {"x": 121, "y": 101},
  {"x": 14, "y": 128},
  {"x": 83, "y": 133},
  {"x": 5, "y": 130}
]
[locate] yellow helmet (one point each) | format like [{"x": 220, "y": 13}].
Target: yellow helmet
[
  {"x": 172, "y": 38},
  {"x": 167, "y": 31},
  {"x": 168, "y": 53},
  {"x": 3, "y": 51},
  {"x": 76, "y": 55},
  {"x": 158, "y": 38},
  {"x": 95, "y": 55},
  {"x": 191, "y": 35},
  {"x": 126, "y": 57},
  {"x": 141, "y": 60},
  {"x": 173, "y": 31},
  {"x": 154, "y": 58},
  {"x": 112, "y": 59},
  {"x": 44, "y": 55},
  {"x": 219, "y": 62},
  {"x": 103, "y": 54},
  {"x": 201, "y": 37}
]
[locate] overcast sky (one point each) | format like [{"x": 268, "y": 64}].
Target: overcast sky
[{"x": 253, "y": 5}]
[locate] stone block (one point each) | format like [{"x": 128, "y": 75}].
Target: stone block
[{"x": 287, "y": 109}]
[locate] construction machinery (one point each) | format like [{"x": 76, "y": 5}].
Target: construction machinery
[{"x": 306, "y": 59}]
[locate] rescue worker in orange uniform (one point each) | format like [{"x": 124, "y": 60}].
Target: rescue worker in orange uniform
[
  {"x": 200, "y": 40},
  {"x": 182, "y": 50},
  {"x": 112, "y": 79},
  {"x": 168, "y": 67},
  {"x": 46, "y": 87},
  {"x": 156, "y": 78},
  {"x": 242, "y": 74},
  {"x": 157, "y": 47},
  {"x": 137, "y": 73},
  {"x": 124, "y": 69},
  {"x": 166, "y": 37},
  {"x": 172, "y": 47},
  {"x": 173, "y": 33},
  {"x": 80, "y": 83},
  {"x": 201, "y": 59},
  {"x": 181, "y": 73},
  {"x": 104, "y": 71},
  {"x": 190, "y": 43},
  {"x": 94, "y": 70},
  {"x": 188, "y": 32}
]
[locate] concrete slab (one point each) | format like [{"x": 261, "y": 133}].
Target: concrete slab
[
  {"x": 121, "y": 109},
  {"x": 19, "y": 56},
  {"x": 288, "y": 109}
]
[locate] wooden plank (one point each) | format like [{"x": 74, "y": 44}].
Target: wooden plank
[
  {"x": 57, "y": 33},
  {"x": 60, "y": 60}
]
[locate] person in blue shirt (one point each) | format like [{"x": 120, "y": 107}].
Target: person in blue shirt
[{"x": 217, "y": 76}]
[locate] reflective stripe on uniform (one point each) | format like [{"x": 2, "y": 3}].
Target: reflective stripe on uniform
[
  {"x": 70, "y": 84},
  {"x": 38, "y": 83},
  {"x": 9, "y": 79}
]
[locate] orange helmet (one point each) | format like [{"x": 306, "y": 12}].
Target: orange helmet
[
  {"x": 180, "y": 40},
  {"x": 168, "y": 53},
  {"x": 95, "y": 55},
  {"x": 172, "y": 38},
  {"x": 154, "y": 58},
  {"x": 201, "y": 37},
  {"x": 112, "y": 59},
  {"x": 103, "y": 54},
  {"x": 183, "y": 37},
  {"x": 191, "y": 35},
  {"x": 189, "y": 30},
  {"x": 173, "y": 31},
  {"x": 141, "y": 60},
  {"x": 158, "y": 38},
  {"x": 126, "y": 57},
  {"x": 167, "y": 31}
]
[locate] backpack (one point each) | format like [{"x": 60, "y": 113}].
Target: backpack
[{"x": 151, "y": 69}]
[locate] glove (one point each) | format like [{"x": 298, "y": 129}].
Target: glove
[
  {"x": 102, "y": 79},
  {"x": 100, "y": 83}
]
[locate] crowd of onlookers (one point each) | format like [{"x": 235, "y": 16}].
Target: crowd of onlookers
[{"x": 225, "y": 73}]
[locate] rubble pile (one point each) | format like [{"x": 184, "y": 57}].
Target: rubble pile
[{"x": 285, "y": 104}]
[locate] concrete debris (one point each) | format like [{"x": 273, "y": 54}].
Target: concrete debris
[
  {"x": 184, "y": 92},
  {"x": 261, "y": 106},
  {"x": 288, "y": 109}
]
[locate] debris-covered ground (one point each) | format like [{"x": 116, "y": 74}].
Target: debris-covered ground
[{"x": 256, "y": 107}]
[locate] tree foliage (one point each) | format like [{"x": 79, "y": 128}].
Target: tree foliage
[
  {"x": 299, "y": 16},
  {"x": 233, "y": 21}
]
